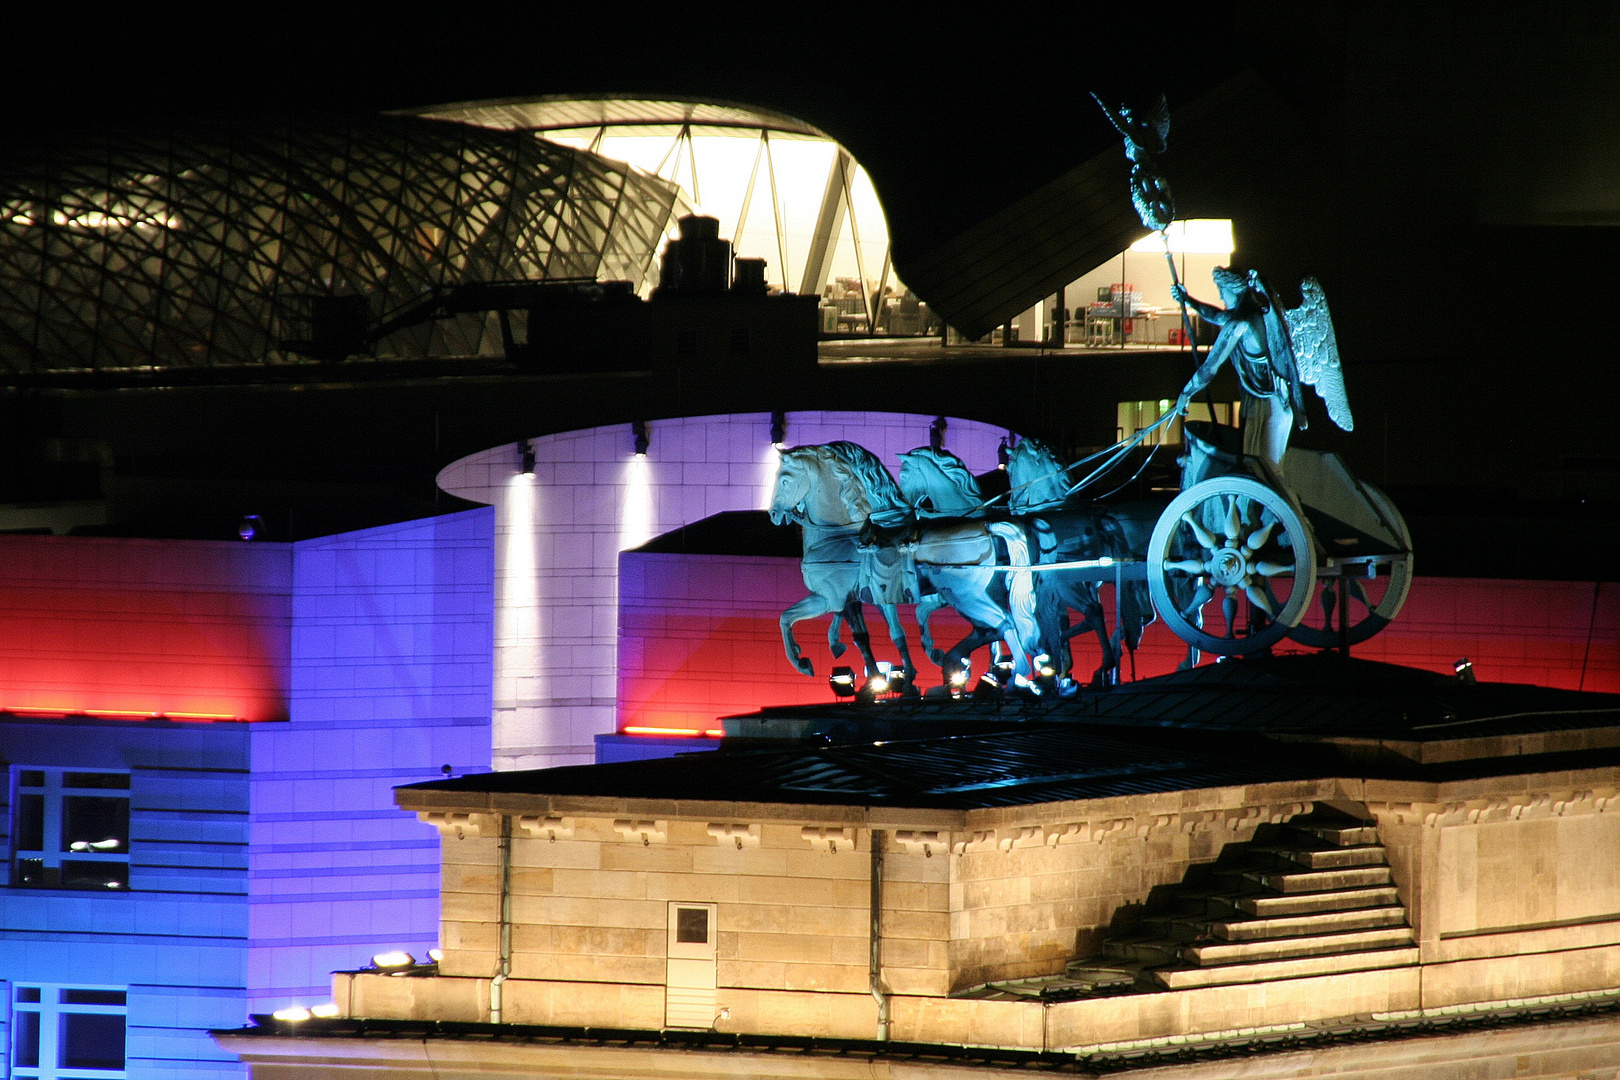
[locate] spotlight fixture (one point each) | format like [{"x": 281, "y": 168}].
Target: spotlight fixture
[
  {"x": 1003, "y": 453},
  {"x": 1464, "y": 668},
  {"x": 936, "y": 434},
  {"x": 526, "y": 458},
  {"x": 250, "y": 527},
  {"x": 886, "y": 681},
  {"x": 643, "y": 440},
  {"x": 778, "y": 429},
  {"x": 325, "y": 1010},
  {"x": 294, "y": 1013},
  {"x": 435, "y": 955},
  {"x": 842, "y": 682},
  {"x": 959, "y": 678},
  {"x": 394, "y": 958}
]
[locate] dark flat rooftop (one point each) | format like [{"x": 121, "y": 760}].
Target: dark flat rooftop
[
  {"x": 1248, "y": 722},
  {"x": 1319, "y": 694}
]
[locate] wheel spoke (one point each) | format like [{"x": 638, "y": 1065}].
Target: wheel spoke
[
  {"x": 1229, "y": 607},
  {"x": 1234, "y": 524},
  {"x": 1192, "y": 567},
  {"x": 1205, "y": 539},
  {"x": 1257, "y": 539},
  {"x": 1273, "y": 569},
  {"x": 1258, "y": 599}
]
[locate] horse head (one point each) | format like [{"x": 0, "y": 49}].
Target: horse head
[
  {"x": 834, "y": 485},
  {"x": 936, "y": 483},
  {"x": 796, "y": 476},
  {"x": 1039, "y": 480}
]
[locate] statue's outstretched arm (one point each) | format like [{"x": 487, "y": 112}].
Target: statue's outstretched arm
[{"x": 1224, "y": 344}]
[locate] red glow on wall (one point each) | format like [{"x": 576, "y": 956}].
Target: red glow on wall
[
  {"x": 698, "y": 637},
  {"x": 127, "y": 630}
]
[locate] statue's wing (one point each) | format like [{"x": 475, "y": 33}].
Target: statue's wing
[
  {"x": 1143, "y": 133},
  {"x": 1158, "y": 121},
  {"x": 1316, "y": 351}
]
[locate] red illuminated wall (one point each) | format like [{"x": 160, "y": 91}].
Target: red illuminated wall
[
  {"x": 698, "y": 637},
  {"x": 189, "y": 629}
]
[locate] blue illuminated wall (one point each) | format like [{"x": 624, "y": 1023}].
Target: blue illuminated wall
[
  {"x": 265, "y": 851},
  {"x": 177, "y": 939},
  {"x": 390, "y": 681}
]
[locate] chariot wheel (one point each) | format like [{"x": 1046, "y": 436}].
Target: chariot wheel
[
  {"x": 1374, "y": 599},
  {"x": 1231, "y": 566}
]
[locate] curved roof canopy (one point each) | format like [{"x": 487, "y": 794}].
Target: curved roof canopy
[
  {"x": 559, "y": 112},
  {"x": 206, "y": 246}
]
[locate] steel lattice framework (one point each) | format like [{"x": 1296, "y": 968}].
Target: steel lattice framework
[{"x": 204, "y": 247}]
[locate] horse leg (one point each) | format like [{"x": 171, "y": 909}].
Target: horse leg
[
  {"x": 1107, "y": 672},
  {"x": 925, "y": 611},
  {"x": 897, "y": 634},
  {"x": 808, "y": 608},
  {"x": 858, "y": 632},
  {"x": 834, "y": 645},
  {"x": 977, "y": 638}
]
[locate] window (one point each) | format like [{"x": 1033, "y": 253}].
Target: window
[
  {"x": 1135, "y": 416},
  {"x": 67, "y": 1032},
  {"x": 70, "y": 830}
]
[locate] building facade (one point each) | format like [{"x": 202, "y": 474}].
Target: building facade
[{"x": 1089, "y": 894}]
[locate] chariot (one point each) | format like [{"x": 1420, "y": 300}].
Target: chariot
[{"x": 1243, "y": 558}]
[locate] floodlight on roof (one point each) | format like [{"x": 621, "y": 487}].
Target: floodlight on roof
[
  {"x": 936, "y": 434},
  {"x": 325, "y": 1010},
  {"x": 842, "y": 682},
  {"x": 778, "y": 429},
  {"x": 394, "y": 958},
  {"x": 293, "y": 1013},
  {"x": 526, "y": 458},
  {"x": 638, "y": 431}
]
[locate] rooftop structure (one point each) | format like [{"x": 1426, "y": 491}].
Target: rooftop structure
[{"x": 1117, "y": 879}]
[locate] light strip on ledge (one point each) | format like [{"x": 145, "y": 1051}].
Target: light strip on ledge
[
  {"x": 113, "y": 714},
  {"x": 691, "y": 733}
]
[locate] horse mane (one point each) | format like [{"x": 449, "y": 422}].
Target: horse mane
[
  {"x": 1036, "y": 465},
  {"x": 952, "y": 468},
  {"x": 866, "y": 487}
]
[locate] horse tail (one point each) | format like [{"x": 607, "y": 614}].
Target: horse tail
[{"x": 1021, "y": 601}]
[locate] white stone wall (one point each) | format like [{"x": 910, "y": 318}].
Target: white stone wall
[{"x": 559, "y": 533}]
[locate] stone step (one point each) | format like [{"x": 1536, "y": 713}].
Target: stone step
[
  {"x": 1182, "y": 928},
  {"x": 1244, "y": 952},
  {"x": 1339, "y": 835},
  {"x": 1295, "y": 925},
  {"x": 1330, "y": 858},
  {"x": 1147, "y": 951},
  {"x": 1311, "y": 881},
  {"x": 1344, "y": 900},
  {"x": 1186, "y": 978}
]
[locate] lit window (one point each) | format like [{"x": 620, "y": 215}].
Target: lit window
[
  {"x": 67, "y": 1032},
  {"x": 1135, "y": 416},
  {"x": 70, "y": 829}
]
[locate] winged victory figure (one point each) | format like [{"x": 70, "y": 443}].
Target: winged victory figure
[{"x": 1275, "y": 352}]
